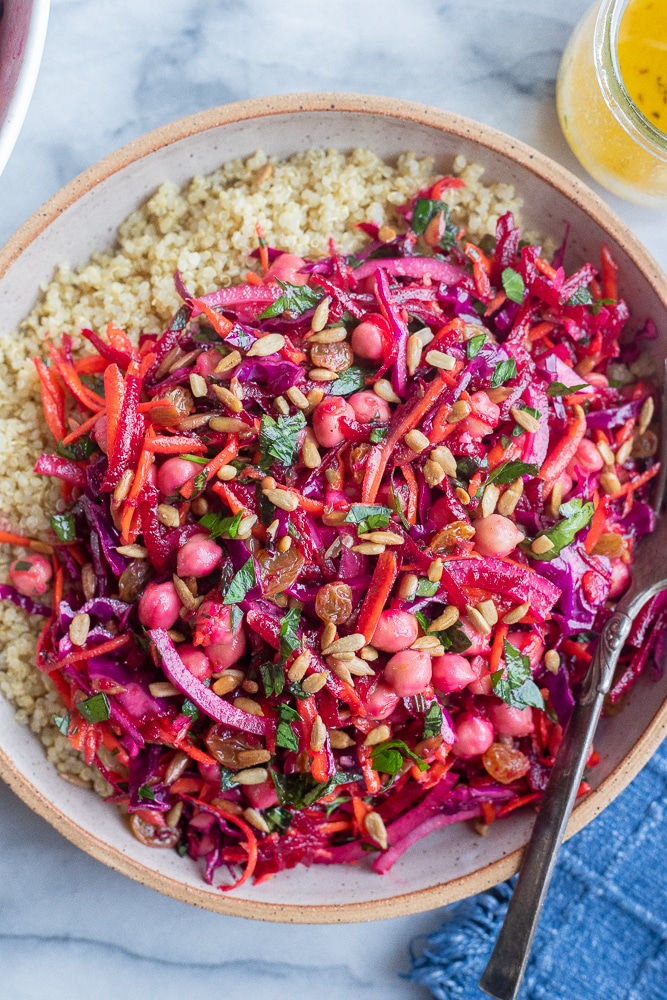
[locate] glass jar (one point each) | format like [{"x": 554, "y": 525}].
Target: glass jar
[{"x": 607, "y": 132}]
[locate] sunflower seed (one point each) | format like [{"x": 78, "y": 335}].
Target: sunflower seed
[
  {"x": 340, "y": 740},
  {"x": 438, "y": 359},
  {"x": 525, "y": 419},
  {"x": 314, "y": 682},
  {"x": 282, "y": 499},
  {"x": 254, "y": 818},
  {"x": 269, "y": 344},
  {"x": 79, "y": 629},
  {"x": 376, "y": 829},
  {"x": 417, "y": 441},
  {"x": 377, "y": 735},
  {"x": 248, "y": 705},
  {"x": 552, "y": 661},
  {"x": 346, "y": 644},
  {"x": 516, "y": 614},
  {"x": 251, "y": 775},
  {"x": 228, "y": 362}
]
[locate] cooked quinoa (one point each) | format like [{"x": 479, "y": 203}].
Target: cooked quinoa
[{"x": 206, "y": 230}]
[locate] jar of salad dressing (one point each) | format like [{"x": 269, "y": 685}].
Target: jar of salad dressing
[{"x": 612, "y": 97}]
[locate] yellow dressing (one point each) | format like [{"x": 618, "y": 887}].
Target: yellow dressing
[
  {"x": 642, "y": 57},
  {"x": 600, "y": 138}
]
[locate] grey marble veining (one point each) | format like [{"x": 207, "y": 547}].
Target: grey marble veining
[{"x": 113, "y": 69}]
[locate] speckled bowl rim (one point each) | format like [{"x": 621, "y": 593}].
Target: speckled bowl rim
[{"x": 577, "y": 192}]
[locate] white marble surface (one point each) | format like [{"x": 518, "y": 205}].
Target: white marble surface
[{"x": 113, "y": 69}]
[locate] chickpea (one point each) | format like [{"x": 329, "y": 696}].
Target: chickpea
[
  {"x": 198, "y": 557},
  {"x": 474, "y": 735},
  {"x": 381, "y": 700},
  {"x": 452, "y": 672},
  {"x": 496, "y": 535},
  {"x": 196, "y": 661},
  {"x": 408, "y": 672},
  {"x": 395, "y": 630},
  {"x": 159, "y": 606},
  {"x": 173, "y": 473},
  {"x": 368, "y": 406},
  {"x": 226, "y": 654},
  {"x": 286, "y": 267},
  {"x": 586, "y": 461},
  {"x": 509, "y": 721},
  {"x": 31, "y": 574},
  {"x": 326, "y": 420},
  {"x": 368, "y": 339}
]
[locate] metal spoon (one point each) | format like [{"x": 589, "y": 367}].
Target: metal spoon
[{"x": 504, "y": 972}]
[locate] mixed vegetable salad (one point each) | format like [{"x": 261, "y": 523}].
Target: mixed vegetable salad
[{"x": 334, "y": 549}]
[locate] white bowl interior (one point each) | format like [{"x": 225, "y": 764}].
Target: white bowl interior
[
  {"x": 22, "y": 36},
  {"x": 431, "y": 872}
]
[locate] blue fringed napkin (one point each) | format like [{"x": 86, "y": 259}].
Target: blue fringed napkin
[{"x": 603, "y": 932}]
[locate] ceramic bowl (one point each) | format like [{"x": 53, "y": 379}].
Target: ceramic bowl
[
  {"x": 454, "y": 862},
  {"x": 22, "y": 34}
]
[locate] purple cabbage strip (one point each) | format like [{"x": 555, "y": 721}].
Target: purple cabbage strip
[{"x": 9, "y": 593}]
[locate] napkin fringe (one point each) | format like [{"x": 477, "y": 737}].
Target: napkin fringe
[{"x": 454, "y": 956}]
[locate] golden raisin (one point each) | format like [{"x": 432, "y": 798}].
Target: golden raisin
[
  {"x": 452, "y": 535},
  {"x": 504, "y": 763},
  {"x": 334, "y": 602},
  {"x": 336, "y": 357},
  {"x": 226, "y": 747},
  {"x": 280, "y": 570},
  {"x": 644, "y": 445}
]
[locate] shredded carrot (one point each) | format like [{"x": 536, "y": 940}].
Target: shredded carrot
[
  {"x": 545, "y": 267},
  {"x": 375, "y": 469},
  {"x": 114, "y": 392},
  {"x": 564, "y": 451},
  {"x": 220, "y": 323},
  {"x": 10, "y": 538},
  {"x": 224, "y": 457},
  {"x": 292, "y": 353},
  {"x": 497, "y": 647},
  {"x": 498, "y": 300},
  {"x": 540, "y": 330},
  {"x": 70, "y": 377},
  {"x": 186, "y": 786},
  {"x": 310, "y": 505},
  {"x": 58, "y": 582},
  {"x": 609, "y": 272},
  {"x": 176, "y": 445},
  {"x": 444, "y": 184},
  {"x": 598, "y": 524},
  {"x": 83, "y": 428},
  {"x": 371, "y": 777},
  {"x": 53, "y": 400},
  {"x": 360, "y": 810},
  {"x": 263, "y": 249},
  {"x": 488, "y": 812},
  {"x": 253, "y": 279},
  {"x": 336, "y": 826},
  {"x": 229, "y": 498},
  {"x": 92, "y": 364},
  {"x": 520, "y": 800},
  {"x": 634, "y": 484},
  {"x": 120, "y": 340},
  {"x": 411, "y": 505},
  {"x": 85, "y": 654},
  {"x": 379, "y": 589},
  {"x": 140, "y": 479}
]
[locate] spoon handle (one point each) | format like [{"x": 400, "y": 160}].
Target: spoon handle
[{"x": 504, "y": 972}]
